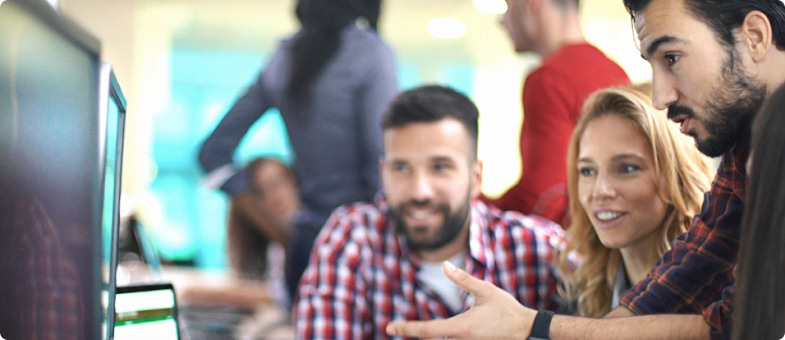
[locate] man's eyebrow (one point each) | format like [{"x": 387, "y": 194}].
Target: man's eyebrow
[{"x": 657, "y": 43}]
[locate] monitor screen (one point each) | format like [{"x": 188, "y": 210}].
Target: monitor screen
[
  {"x": 146, "y": 312},
  {"x": 50, "y": 175},
  {"x": 111, "y": 132}
]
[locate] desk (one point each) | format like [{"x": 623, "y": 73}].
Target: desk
[{"x": 217, "y": 305}]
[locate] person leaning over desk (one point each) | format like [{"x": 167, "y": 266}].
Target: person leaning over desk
[{"x": 714, "y": 62}]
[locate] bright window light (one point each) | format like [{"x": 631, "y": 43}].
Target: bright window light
[
  {"x": 490, "y": 6},
  {"x": 446, "y": 28}
]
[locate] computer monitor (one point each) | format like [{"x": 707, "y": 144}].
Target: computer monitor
[
  {"x": 51, "y": 175},
  {"x": 147, "y": 312},
  {"x": 111, "y": 130}
]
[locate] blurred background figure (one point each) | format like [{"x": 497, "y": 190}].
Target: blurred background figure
[
  {"x": 331, "y": 81},
  {"x": 635, "y": 182},
  {"x": 759, "y": 308},
  {"x": 184, "y": 64},
  {"x": 262, "y": 220},
  {"x": 552, "y": 97}
]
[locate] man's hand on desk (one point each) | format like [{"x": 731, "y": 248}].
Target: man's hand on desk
[{"x": 495, "y": 314}]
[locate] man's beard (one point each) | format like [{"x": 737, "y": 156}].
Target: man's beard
[
  {"x": 729, "y": 110},
  {"x": 450, "y": 229}
]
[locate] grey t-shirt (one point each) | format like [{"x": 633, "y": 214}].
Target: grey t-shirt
[{"x": 620, "y": 285}]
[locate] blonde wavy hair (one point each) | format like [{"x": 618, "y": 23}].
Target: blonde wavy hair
[{"x": 685, "y": 175}]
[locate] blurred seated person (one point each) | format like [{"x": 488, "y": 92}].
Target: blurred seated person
[
  {"x": 635, "y": 183},
  {"x": 759, "y": 303},
  {"x": 260, "y": 216},
  {"x": 378, "y": 262},
  {"x": 257, "y": 232}
]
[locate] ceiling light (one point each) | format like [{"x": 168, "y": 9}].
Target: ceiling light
[
  {"x": 446, "y": 28},
  {"x": 490, "y": 6}
]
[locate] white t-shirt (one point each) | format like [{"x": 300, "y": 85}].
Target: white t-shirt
[{"x": 432, "y": 275}]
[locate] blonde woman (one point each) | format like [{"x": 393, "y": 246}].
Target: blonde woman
[{"x": 634, "y": 183}]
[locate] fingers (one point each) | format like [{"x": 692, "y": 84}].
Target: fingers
[
  {"x": 474, "y": 286},
  {"x": 449, "y": 328}
]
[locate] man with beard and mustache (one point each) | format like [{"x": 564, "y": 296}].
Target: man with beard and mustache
[
  {"x": 376, "y": 263},
  {"x": 714, "y": 62}
]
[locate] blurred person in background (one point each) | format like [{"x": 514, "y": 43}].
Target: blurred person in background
[
  {"x": 275, "y": 192},
  {"x": 331, "y": 81},
  {"x": 552, "y": 98},
  {"x": 635, "y": 183},
  {"x": 759, "y": 305}
]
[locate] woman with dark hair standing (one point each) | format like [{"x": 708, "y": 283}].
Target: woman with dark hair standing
[
  {"x": 331, "y": 81},
  {"x": 759, "y": 302}
]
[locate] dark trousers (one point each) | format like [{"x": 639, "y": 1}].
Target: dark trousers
[{"x": 305, "y": 228}]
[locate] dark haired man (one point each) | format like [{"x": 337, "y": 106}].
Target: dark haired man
[
  {"x": 552, "y": 98},
  {"x": 375, "y": 263},
  {"x": 714, "y": 62}
]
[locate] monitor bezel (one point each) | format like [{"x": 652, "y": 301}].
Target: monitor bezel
[
  {"x": 109, "y": 88},
  {"x": 61, "y": 24}
]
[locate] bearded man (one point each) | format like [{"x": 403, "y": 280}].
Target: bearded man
[{"x": 376, "y": 263}]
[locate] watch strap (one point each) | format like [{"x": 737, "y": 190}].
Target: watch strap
[{"x": 541, "y": 328}]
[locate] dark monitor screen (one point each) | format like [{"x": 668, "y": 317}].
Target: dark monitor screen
[{"x": 50, "y": 176}]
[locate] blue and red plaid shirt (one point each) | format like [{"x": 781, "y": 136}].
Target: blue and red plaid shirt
[
  {"x": 697, "y": 274},
  {"x": 362, "y": 275}
]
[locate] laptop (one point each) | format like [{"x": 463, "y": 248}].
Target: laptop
[{"x": 146, "y": 312}]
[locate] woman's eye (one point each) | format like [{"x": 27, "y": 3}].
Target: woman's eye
[
  {"x": 401, "y": 167},
  {"x": 629, "y": 168},
  {"x": 586, "y": 172}
]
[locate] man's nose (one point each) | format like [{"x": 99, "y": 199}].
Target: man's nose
[
  {"x": 422, "y": 188},
  {"x": 664, "y": 92}
]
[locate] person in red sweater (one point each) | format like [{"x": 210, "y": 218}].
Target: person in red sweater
[{"x": 552, "y": 98}]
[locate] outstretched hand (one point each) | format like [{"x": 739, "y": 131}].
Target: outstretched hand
[{"x": 495, "y": 314}]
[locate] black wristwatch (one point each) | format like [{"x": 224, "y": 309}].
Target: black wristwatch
[{"x": 541, "y": 329}]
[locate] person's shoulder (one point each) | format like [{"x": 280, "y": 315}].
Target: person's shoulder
[
  {"x": 368, "y": 41},
  {"x": 577, "y": 59},
  {"x": 575, "y": 55},
  {"x": 545, "y": 78},
  {"x": 354, "y": 222}
]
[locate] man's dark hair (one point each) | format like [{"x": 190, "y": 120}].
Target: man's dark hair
[
  {"x": 723, "y": 16},
  {"x": 432, "y": 103}
]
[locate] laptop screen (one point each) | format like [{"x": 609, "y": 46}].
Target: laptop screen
[{"x": 146, "y": 312}]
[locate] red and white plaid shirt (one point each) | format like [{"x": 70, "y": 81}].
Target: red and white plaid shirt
[{"x": 362, "y": 275}]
